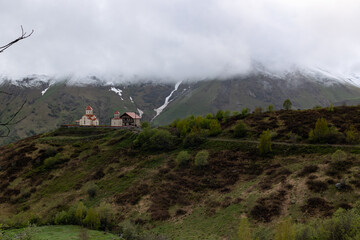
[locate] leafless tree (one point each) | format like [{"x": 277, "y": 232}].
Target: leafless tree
[
  {"x": 22, "y": 36},
  {"x": 12, "y": 120}
]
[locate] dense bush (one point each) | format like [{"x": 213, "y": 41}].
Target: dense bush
[
  {"x": 92, "y": 219},
  {"x": 271, "y": 108},
  {"x": 201, "y": 158},
  {"x": 219, "y": 115},
  {"x": 265, "y": 142},
  {"x": 215, "y": 128},
  {"x": 193, "y": 140},
  {"x": 244, "y": 112},
  {"x": 322, "y": 133},
  {"x": 182, "y": 158},
  {"x": 92, "y": 190},
  {"x": 240, "y": 130},
  {"x": 154, "y": 139},
  {"x": 352, "y": 135}
]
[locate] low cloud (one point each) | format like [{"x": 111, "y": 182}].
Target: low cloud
[{"x": 178, "y": 39}]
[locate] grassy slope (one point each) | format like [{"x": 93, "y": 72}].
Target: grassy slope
[
  {"x": 186, "y": 202},
  {"x": 65, "y": 233}
]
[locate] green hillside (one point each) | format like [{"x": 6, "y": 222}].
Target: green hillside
[{"x": 136, "y": 183}]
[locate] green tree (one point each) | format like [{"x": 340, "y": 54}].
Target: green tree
[
  {"x": 215, "y": 128},
  {"x": 219, "y": 115},
  {"x": 320, "y": 131},
  {"x": 161, "y": 140},
  {"x": 92, "y": 219},
  {"x": 80, "y": 212},
  {"x": 240, "y": 130},
  {"x": 201, "y": 158},
  {"x": 244, "y": 231},
  {"x": 106, "y": 215},
  {"x": 265, "y": 142},
  {"x": 287, "y": 104},
  {"x": 271, "y": 108},
  {"x": 284, "y": 230},
  {"x": 244, "y": 112},
  {"x": 331, "y": 107},
  {"x": 209, "y": 116},
  {"x": 352, "y": 135},
  {"x": 147, "y": 125},
  {"x": 182, "y": 158}
]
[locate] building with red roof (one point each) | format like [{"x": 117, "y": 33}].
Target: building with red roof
[
  {"x": 89, "y": 119},
  {"x": 130, "y": 119},
  {"x": 116, "y": 121}
]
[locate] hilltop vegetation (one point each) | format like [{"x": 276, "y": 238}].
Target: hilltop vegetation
[{"x": 196, "y": 178}]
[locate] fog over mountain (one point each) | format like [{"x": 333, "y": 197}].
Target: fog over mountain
[{"x": 176, "y": 40}]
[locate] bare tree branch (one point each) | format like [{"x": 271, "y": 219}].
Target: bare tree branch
[
  {"x": 12, "y": 121},
  {"x": 23, "y": 36}
]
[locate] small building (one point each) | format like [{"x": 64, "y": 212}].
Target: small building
[
  {"x": 116, "y": 121},
  {"x": 89, "y": 119},
  {"x": 130, "y": 119}
]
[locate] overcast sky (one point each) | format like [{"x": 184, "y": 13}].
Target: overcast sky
[{"x": 178, "y": 38}]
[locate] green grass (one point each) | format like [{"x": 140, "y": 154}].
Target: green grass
[
  {"x": 65, "y": 233},
  {"x": 199, "y": 225}
]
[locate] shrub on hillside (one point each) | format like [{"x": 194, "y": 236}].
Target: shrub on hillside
[
  {"x": 240, "y": 130},
  {"x": 92, "y": 219},
  {"x": 244, "y": 112},
  {"x": 338, "y": 156},
  {"x": 284, "y": 230},
  {"x": 201, "y": 158},
  {"x": 219, "y": 115},
  {"x": 80, "y": 213},
  {"x": 161, "y": 140},
  {"x": 271, "y": 108},
  {"x": 215, "y": 128},
  {"x": 265, "y": 142},
  {"x": 193, "y": 140},
  {"x": 287, "y": 104},
  {"x": 154, "y": 139},
  {"x": 331, "y": 107},
  {"x": 106, "y": 215},
  {"x": 182, "y": 158},
  {"x": 322, "y": 133},
  {"x": 145, "y": 125},
  {"x": 352, "y": 135},
  {"x": 92, "y": 190},
  {"x": 244, "y": 231}
]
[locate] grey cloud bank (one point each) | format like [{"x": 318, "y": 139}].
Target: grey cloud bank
[{"x": 178, "y": 39}]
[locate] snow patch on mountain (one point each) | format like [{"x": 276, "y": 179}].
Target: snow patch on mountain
[
  {"x": 167, "y": 101},
  {"x": 131, "y": 100},
  {"x": 118, "y": 91},
  {"x": 140, "y": 112}
]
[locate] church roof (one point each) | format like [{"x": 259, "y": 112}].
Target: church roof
[
  {"x": 89, "y": 108},
  {"x": 116, "y": 112}
]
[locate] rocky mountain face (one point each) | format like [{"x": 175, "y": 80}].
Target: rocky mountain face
[{"x": 50, "y": 102}]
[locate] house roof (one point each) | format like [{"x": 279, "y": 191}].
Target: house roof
[
  {"x": 89, "y": 108},
  {"x": 132, "y": 115}
]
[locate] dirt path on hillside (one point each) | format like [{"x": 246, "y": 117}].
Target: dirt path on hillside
[{"x": 283, "y": 143}]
